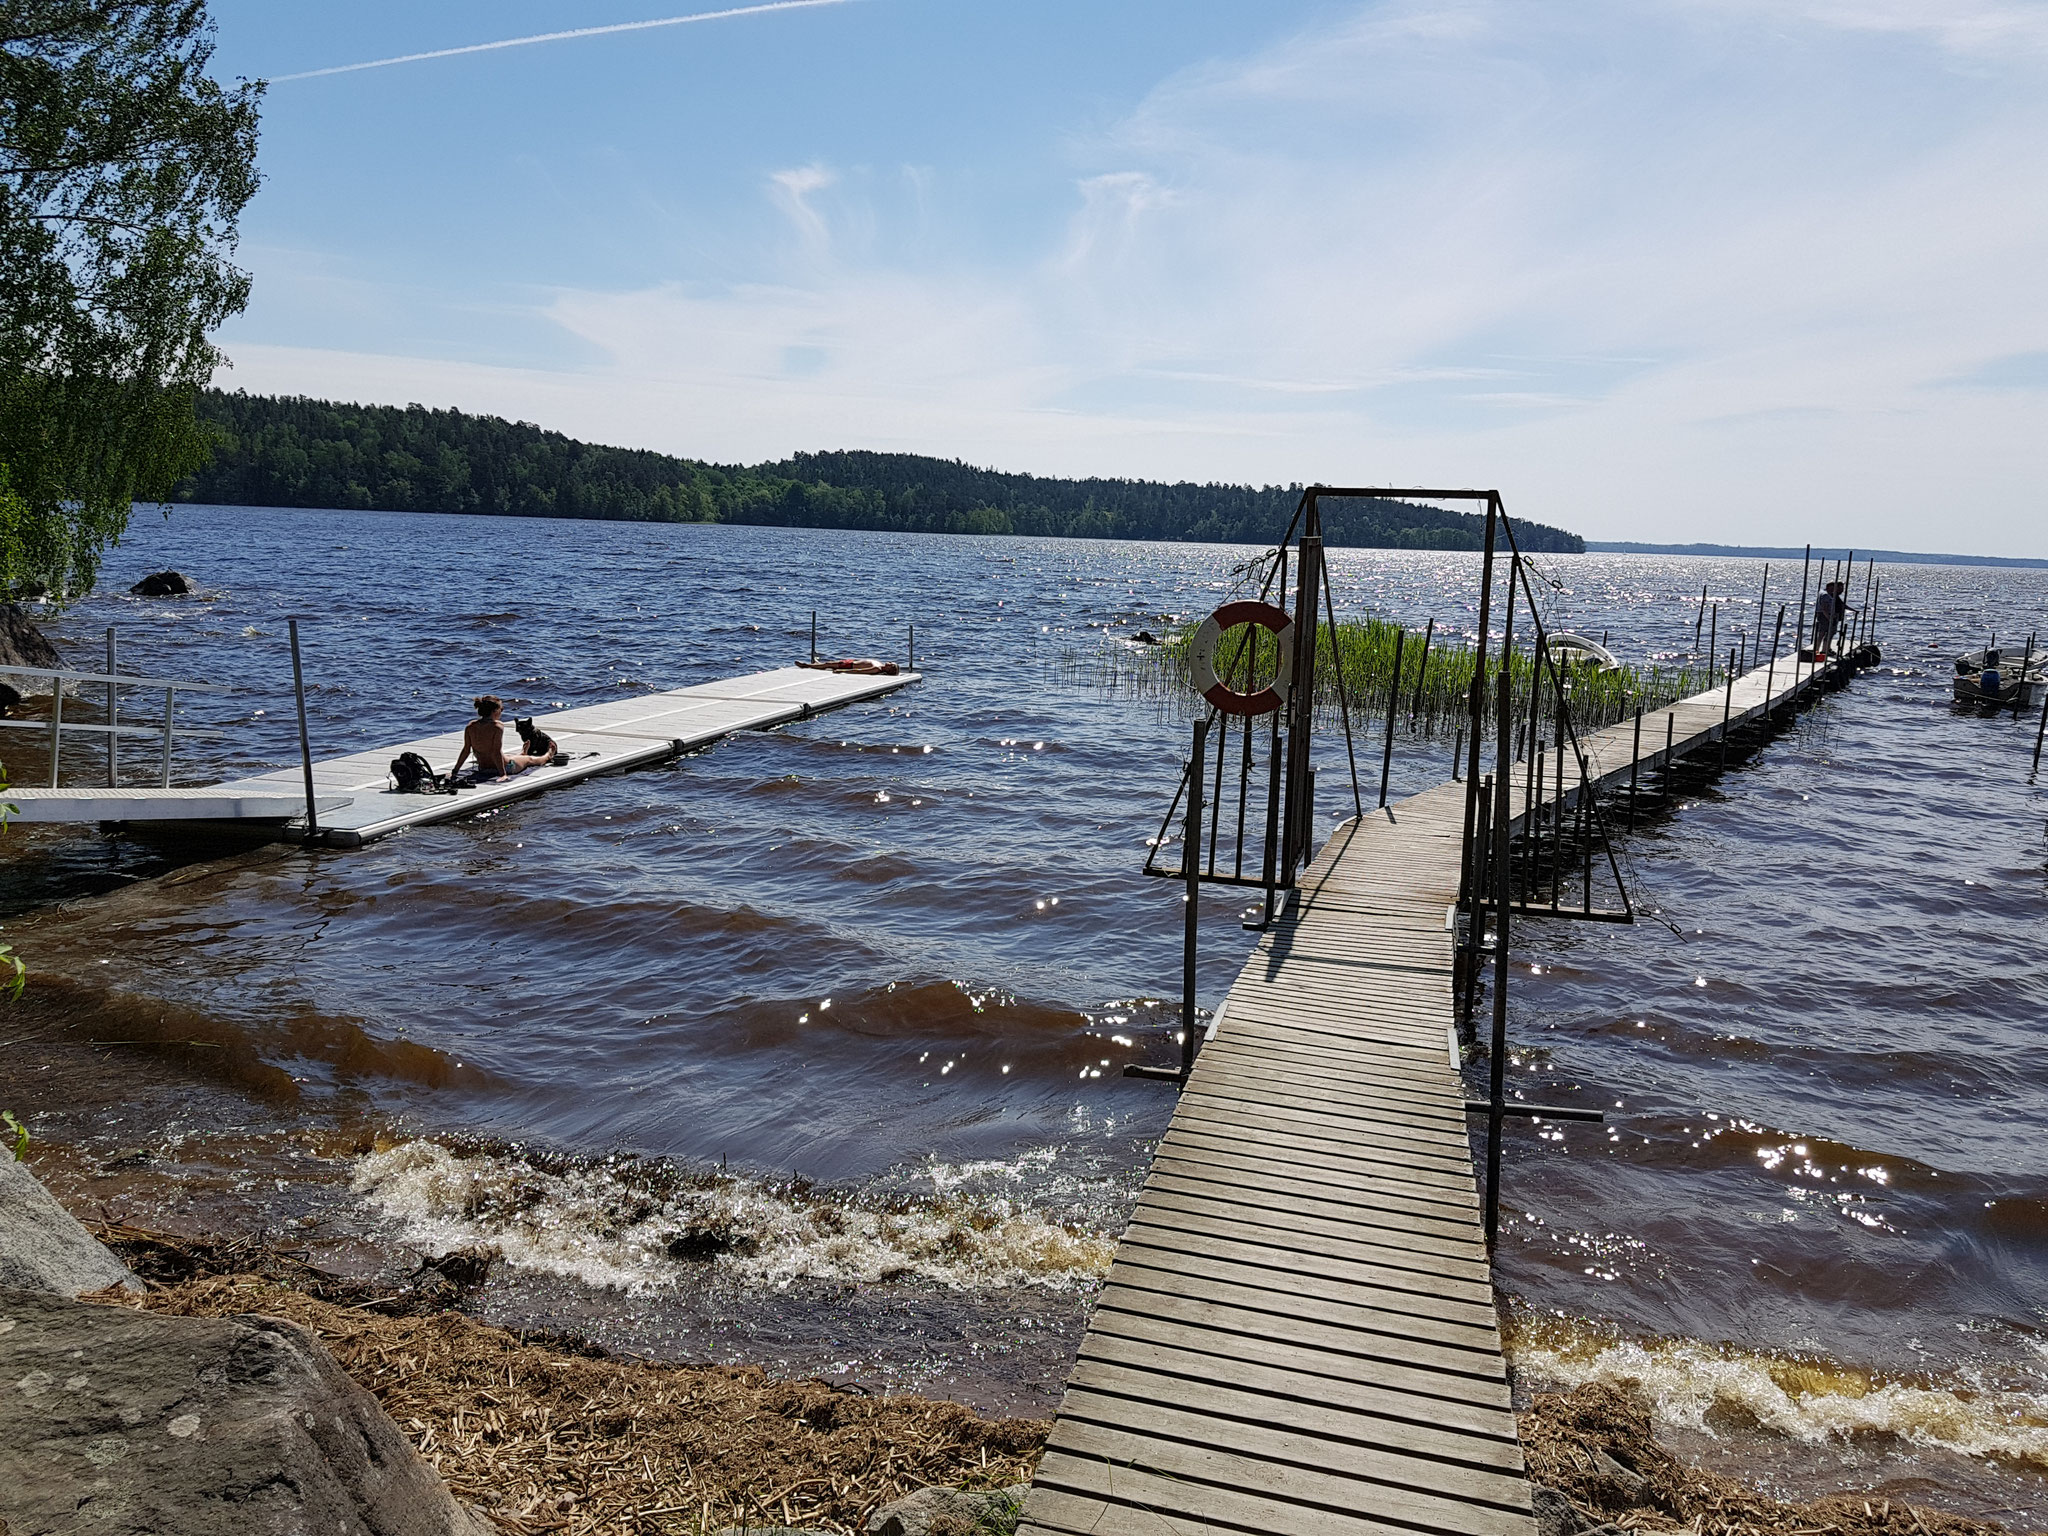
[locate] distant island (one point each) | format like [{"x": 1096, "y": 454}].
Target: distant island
[
  {"x": 1769, "y": 552},
  {"x": 289, "y": 451}
]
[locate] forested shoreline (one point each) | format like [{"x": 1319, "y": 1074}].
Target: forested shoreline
[{"x": 291, "y": 451}]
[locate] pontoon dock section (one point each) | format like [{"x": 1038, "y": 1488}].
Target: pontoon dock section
[{"x": 355, "y": 802}]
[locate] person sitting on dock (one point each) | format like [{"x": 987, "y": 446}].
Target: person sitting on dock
[{"x": 484, "y": 739}]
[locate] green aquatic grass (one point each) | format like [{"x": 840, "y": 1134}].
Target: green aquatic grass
[{"x": 1432, "y": 697}]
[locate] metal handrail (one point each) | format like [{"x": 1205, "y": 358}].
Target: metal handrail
[
  {"x": 112, "y": 731},
  {"x": 119, "y": 679}
]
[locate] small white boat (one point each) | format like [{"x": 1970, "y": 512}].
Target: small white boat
[
  {"x": 2002, "y": 679},
  {"x": 1566, "y": 646}
]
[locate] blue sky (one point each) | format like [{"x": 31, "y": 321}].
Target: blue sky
[{"x": 1747, "y": 270}]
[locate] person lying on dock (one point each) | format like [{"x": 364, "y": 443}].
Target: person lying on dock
[
  {"x": 484, "y": 739},
  {"x": 865, "y": 665}
]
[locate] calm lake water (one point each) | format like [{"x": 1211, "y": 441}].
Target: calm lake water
[{"x": 805, "y": 1049}]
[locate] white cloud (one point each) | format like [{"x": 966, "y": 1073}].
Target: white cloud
[
  {"x": 1696, "y": 270},
  {"x": 793, "y": 190}
]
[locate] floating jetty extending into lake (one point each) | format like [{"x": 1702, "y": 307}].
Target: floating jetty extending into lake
[
  {"x": 1298, "y": 1334},
  {"x": 355, "y": 803}
]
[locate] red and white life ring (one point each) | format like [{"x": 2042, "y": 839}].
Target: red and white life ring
[{"x": 1202, "y": 657}]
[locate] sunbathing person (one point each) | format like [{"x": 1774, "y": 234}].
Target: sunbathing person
[{"x": 484, "y": 739}]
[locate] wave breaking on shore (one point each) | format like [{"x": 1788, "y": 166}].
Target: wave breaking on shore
[
  {"x": 1715, "y": 1389},
  {"x": 633, "y": 1226}
]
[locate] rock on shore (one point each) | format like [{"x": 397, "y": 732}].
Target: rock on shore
[
  {"x": 23, "y": 645},
  {"x": 42, "y": 1246},
  {"x": 124, "y": 1423}
]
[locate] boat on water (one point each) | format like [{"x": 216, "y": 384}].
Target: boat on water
[{"x": 2000, "y": 680}]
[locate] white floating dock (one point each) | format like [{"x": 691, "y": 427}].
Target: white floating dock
[
  {"x": 356, "y": 803},
  {"x": 210, "y": 802}
]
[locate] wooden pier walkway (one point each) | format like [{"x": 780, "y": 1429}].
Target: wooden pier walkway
[
  {"x": 1298, "y": 1333},
  {"x": 356, "y": 804}
]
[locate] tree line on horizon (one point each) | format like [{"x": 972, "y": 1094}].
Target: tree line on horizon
[{"x": 293, "y": 451}]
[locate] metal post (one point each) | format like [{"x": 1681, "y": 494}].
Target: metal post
[
  {"x": 1268, "y": 872},
  {"x": 814, "y": 634},
  {"x": 1762, "y": 592},
  {"x": 1727, "y": 706},
  {"x": 1713, "y": 642},
  {"x": 2040, "y": 731},
  {"x": 1799, "y": 630},
  {"x": 1216, "y": 791},
  {"x": 113, "y": 719},
  {"x": 1421, "y": 674},
  {"x": 1457, "y": 755},
  {"x": 1557, "y": 803},
  {"x": 1191, "y": 866},
  {"x": 170, "y": 704},
  {"x": 1699, "y": 619},
  {"x": 1498, "y": 1045},
  {"x": 913, "y": 650},
  {"x": 1771, "y": 676},
  {"x": 1244, "y": 795},
  {"x": 1863, "y": 618},
  {"x": 1635, "y": 762},
  {"x": 305, "y": 741},
  {"x": 1393, "y": 704},
  {"x": 1670, "y": 729},
  {"x": 1532, "y": 783},
  {"x": 1301, "y": 703},
  {"x": 56, "y": 725}
]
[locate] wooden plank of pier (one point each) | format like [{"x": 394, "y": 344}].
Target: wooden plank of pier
[{"x": 1297, "y": 1335}]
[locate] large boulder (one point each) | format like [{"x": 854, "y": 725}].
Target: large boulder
[
  {"x": 121, "y": 1423},
  {"x": 23, "y": 645},
  {"x": 42, "y": 1246},
  {"x": 162, "y": 584}
]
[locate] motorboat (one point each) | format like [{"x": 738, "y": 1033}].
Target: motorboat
[{"x": 2000, "y": 680}]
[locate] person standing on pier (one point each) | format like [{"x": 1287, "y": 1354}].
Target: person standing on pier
[{"x": 1828, "y": 612}]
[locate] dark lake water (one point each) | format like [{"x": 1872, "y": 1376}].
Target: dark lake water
[{"x": 845, "y": 1003}]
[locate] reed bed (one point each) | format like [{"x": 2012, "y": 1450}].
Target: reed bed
[{"x": 1433, "y": 686}]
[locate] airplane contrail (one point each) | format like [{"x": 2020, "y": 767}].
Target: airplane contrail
[{"x": 556, "y": 37}]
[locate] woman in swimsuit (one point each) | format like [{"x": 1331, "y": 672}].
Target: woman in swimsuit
[{"x": 484, "y": 739}]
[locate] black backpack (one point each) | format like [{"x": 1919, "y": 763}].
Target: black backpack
[{"x": 412, "y": 774}]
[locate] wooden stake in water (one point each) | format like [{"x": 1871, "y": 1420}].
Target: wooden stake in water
[{"x": 305, "y": 741}]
